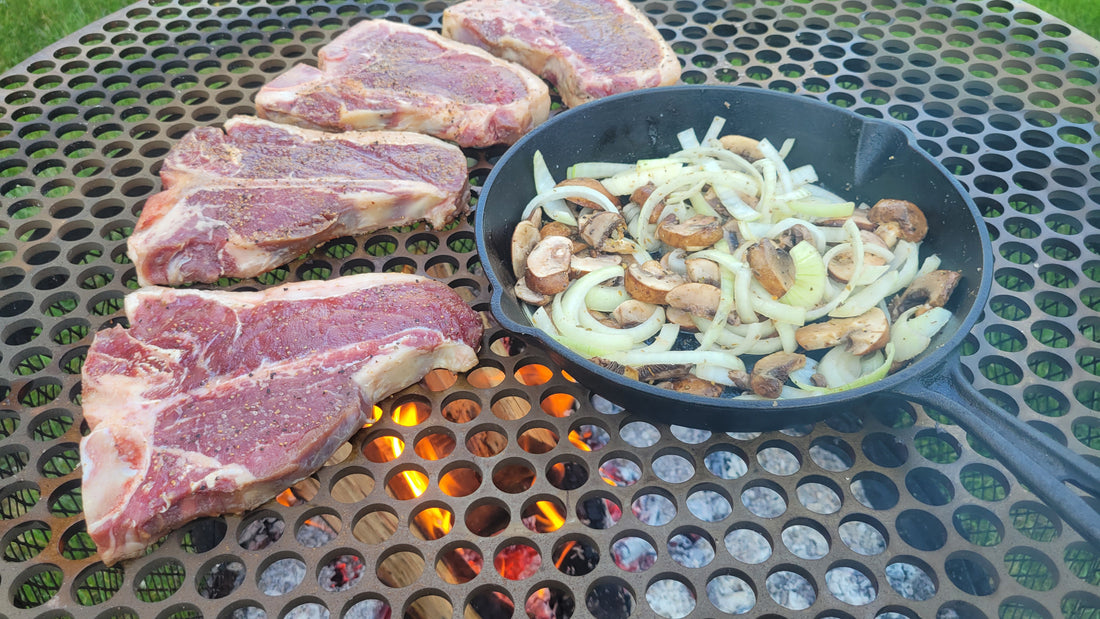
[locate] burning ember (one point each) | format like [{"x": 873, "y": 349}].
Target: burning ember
[{"x": 340, "y": 573}]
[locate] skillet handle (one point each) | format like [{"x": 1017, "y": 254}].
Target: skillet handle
[{"x": 1039, "y": 462}]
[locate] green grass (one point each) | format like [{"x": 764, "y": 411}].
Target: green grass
[{"x": 27, "y": 26}]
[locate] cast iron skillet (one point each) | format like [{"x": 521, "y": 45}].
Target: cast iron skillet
[{"x": 860, "y": 158}]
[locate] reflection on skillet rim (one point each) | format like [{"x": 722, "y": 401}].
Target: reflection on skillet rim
[{"x": 872, "y": 135}]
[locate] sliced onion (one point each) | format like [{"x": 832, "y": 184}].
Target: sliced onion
[
  {"x": 911, "y": 334},
  {"x": 638, "y": 333},
  {"x": 716, "y": 125},
  {"x": 809, "y": 277},
  {"x": 687, "y": 139},
  {"x": 597, "y": 169},
  {"x": 665, "y": 340},
  {"x": 574, "y": 297},
  {"x": 605, "y": 298},
  {"x": 867, "y": 297}
]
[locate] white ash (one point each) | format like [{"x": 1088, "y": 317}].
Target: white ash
[
  {"x": 730, "y": 594},
  {"x": 911, "y": 582},
  {"x": 673, "y": 469},
  {"x": 670, "y": 598},
  {"x": 709, "y": 506},
  {"x": 818, "y": 498},
  {"x": 790, "y": 590},
  {"x": 640, "y": 434},
  {"x": 691, "y": 550},
  {"x": 862, "y": 538},
  {"x": 725, "y": 464},
  {"x": 691, "y": 436},
  {"x": 282, "y": 576},
  {"x": 653, "y": 509},
  {"x": 748, "y": 546},
  {"x": 805, "y": 542},
  {"x": 763, "y": 502},
  {"x": 850, "y": 586}
]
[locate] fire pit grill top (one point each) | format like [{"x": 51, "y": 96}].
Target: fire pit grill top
[{"x": 510, "y": 490}]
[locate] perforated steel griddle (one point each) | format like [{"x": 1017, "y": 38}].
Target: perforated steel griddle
[{"x": 511, "y": 487}]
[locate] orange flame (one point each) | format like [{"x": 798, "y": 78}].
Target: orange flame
[{"x": 434, "y": 522}]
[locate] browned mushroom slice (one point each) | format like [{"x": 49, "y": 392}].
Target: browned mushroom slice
[
  {"x": 616, "y": 367},
  {"x": 933, "y": 289},
  {"x": 793, "y": 236},
  {"x": 742, "y": 145},
  {"x": 603, "y": 319},
  {"x": 632, "y": 312},
  {"x": 525, "y": 294},
  {"x": 580, "y": 265},
  {"x": 843, "y": 266},
  {"x": 698, "y": 232},
  {"x": 703, "y": 271},
  {"x": 771, "y": 372},
  {"x": 556, "y": 228},
  {"x": 548, "y": 265},
  {"x": 650, "y": 282},
  {"x": 861, "y": 334},
  {"x": 524, "y": 238},
  {"x": 741, "y": 379},
  {"x": 697, "y": 299},
  {"x": 898, "y": 219},
  {"x": 692, "y": 385},
  {"x": 772, "y": 267},
  {"x": 606, "y": 231},
  {"x": 681, "y": 319},
  {"x": 590, "y": 183},
  {"x": 859, "y": 216},
  {"x": 654, "y": 372}
]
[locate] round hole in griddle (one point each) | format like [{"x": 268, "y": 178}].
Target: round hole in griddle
[
  {"x": 567, "y": 473},
  {"x": 487, "y": 517},
  {"x": 654, "y": 507},
  {"x": 260, "y": 529},
  {"x": 368, "y": 608},
  {"x": 691, "y": 547},
  {"x": 36, "y": 585},
  {"x": 832, "y": 454},
  {"x": 432, "y": 522},
  {"x": 537, "y": 439},
  {"x": 543, "y": 514},
  {"x": 575, "y": 555},
  {"x": 459, "y": 564},
  {"x": 517, "y": 560},
  {"x": 532, "y": 374},
  {"x": 490, "y": 603},
  {"x": 435, "y": 444},
  {"x": 921, "y": 530},
  {"x": 599, "y": 510},
  {"x": 220, "y": 577},
  {"x": 411, "y": 411},
  {"x": 385, "y": 448},
  {"x": 485, "y": 376},
  {"x": 318, "y": 527},
  {"x": 914, "y": 579},
  {"x": 805, "y": 539},
  {"x": 673, "y": 466},
  {"x": 352, "y": 485},
  {"x": 634, "y": 552},
  {"x": 731, "y": 592},
  {"x": 400, "y": 567},
  {"x": 340, "y": 570},
  {"x": 559, "y": 404},
  {"x": 510, "y": 405},
  {"x": 25, "y": 541},
  {"x": 589, "y": 437},
  {"x": 406, "y": 484},
  {"x": 486, "y": 441},
  {"x": 161, "y": 579},
  {"x": 748, "y": 543},
  {"x": 670, "y": 597},
  {"x": 640, "y": 434},
  {"x": 439, "y": 379},
  {"x": 620, "y": 469},
  {"x": 460, "y": 479},
  {"x": 554, "y": 601},
  {"x": 203, "y": 535},
  {"x": 461, "y": 408},
  {"x": 791, "y": 587},
  {"x": 874, "y": 490},
  {"x": 507, "y": 345},
  {"x": 851, "y": 583},
  {"x": 863, "y": 534},
  {"x": 709, "y": 503},
  {"x": 610, "y": 598},
  {"x": 514, "y": 476},
  {"x": 764, "y": 499},
  {"x": 819, "y": 495},
  {"x": 375, "y": 524}
]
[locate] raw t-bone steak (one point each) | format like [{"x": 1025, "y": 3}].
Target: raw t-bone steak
[
  {"x": 244, "y": 201},
  {"x": 587, "y": 48},
  {"x": 214, "y": 402},
  {"x": 386, "y": 75}
]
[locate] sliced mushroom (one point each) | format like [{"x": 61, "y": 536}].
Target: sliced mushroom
[
  {"x": 524, "y": 238},
  {"x": 681, "y": 319},
  {"x": 793, "y": 236},
  {"x": 557, "y": 228},
  {"x": 742, "y": 145},
  {"x": 771, "y": 372},
  {"x": 525, "y": 294},
  {"x": 650, "y": 282},
  {"x": 616, "y": 367},
  {"x": 698, "y": 232},
  {"x": 590, "y": 183},
  {"x": 859, "y": 216},
  {"x": 662, "y": 371},
  {"x": 581, "y": 265},
  {"x": 641, "y": 195},
  {"x": 843, "y": 265},
  {"x": 900, "y": 219},
  {"x": 933, "y": 289},
  {"x": 703, "y": 271},
  {"x": 548, "y": 265},
  {"x": 606, "y": 231},
  {"x": 697, "y": 299},
  {"x": 693, "y": 385},
  {"x": 741, "y": 379},
  {"x": 603, "y": 319},
  {"x": 632, "y": 312},
  {"x": 772, "y": 267},
  {"x": 861, "y": 334}
]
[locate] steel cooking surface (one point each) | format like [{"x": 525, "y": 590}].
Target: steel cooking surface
[{"x": 510, "y": 490}]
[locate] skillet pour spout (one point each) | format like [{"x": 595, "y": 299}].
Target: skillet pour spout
[{"x": 861, "y": 159}]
